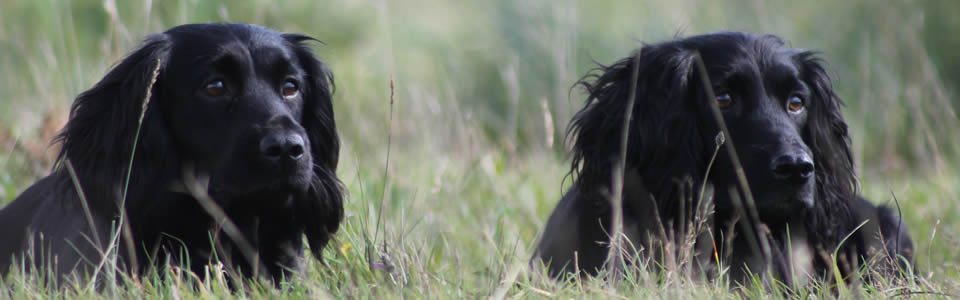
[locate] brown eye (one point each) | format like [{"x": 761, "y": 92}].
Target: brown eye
[
  {"x": 215, "y": 88},
  {"x": 724, "y": 100},
  {"x": 289, "y": 89},
  {"x": 795, "y": 104}
]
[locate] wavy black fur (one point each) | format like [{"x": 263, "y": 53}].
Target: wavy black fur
[{"x": 671, "y": 139}]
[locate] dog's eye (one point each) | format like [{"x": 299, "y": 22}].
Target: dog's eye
[
  {"x": 289, "y": 89},
  {"x": 724, "y": 100},
  {"x": 215, "y": 88},
  {"x": 795, "y": 104}
]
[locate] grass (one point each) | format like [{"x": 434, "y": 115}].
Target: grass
[{"x": 470, "y": 98}]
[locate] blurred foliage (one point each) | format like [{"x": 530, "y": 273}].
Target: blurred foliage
[
  {"x": 939, "y": 28},
  {"x": 472, "y": 72}
]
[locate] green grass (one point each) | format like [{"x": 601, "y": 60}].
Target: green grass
[{"x": 475, "y": 164}]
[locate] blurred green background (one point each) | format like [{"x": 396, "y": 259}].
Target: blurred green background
[{"x": 483, "y": 96}]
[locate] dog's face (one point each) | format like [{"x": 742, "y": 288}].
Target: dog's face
[
  {"x": 764, "y": 100},
  {"x": 784, "y": 119},
  {"x": 785, "y": 123},
  {"x": 237, "y": 112},
  {"x": 234, "y": 102}
]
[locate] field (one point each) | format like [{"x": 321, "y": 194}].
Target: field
[{"x": 475, "y": 129}]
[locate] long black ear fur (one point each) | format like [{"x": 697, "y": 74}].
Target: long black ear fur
[
  {"x": 322, "y": 210},
  {"x": 661, "y": 132},
  {"x": 830, "y": 143},
  {"x": 104, "y": 121}
]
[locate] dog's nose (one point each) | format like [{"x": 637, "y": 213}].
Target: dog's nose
[
  {"x": 792, "y": 167},
  {"x": 282, "y": 146}
]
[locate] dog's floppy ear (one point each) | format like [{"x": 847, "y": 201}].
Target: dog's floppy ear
[
  {"x": 322, "y": 211},
  {"x": 829, "y": 140},
  {"x": 662, "y": 126},
  {"x": 103, "y": 120}
]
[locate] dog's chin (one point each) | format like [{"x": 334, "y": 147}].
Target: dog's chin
[
  {"x": 270, "y": 184},
  {"x": 784, "y": 207},
  {"x": 295, "y": 182}
]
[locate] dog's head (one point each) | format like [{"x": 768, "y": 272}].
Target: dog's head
[
  {"x": 244, "y": 106},
  {"x": 236, "y": 99},
  {"x": 777, "y": 102}
]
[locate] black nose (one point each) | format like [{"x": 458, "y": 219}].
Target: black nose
[
  {"x": 793, "y": 168},
  {"x": 282, "y": 146}
]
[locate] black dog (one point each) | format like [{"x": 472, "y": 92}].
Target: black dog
[
  {"x": 790, "y": 137},
  {"x": 235, "y": 161}
]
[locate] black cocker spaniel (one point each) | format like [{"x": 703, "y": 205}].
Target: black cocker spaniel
[
  {"x": 791, "y": 141},
  {"x": 234, "y": 148}
]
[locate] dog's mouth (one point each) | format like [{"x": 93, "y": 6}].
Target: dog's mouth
[
  {"x": 276, "y": 187},
  {"x": 296, "y": 180},
  {"x": 289, "y": 180},
  {"x": 772, "y": 200},
  {"x": 785, "y": 203},
  {"x": 246, "y": 180}
]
